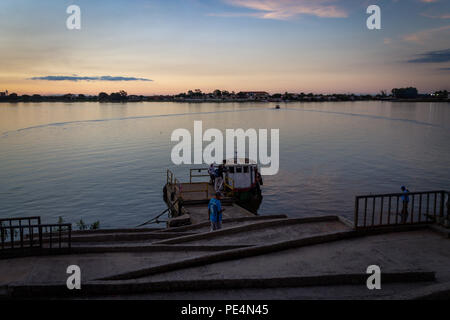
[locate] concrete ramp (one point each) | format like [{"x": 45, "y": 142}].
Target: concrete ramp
[{"x": 252, "y": 257}]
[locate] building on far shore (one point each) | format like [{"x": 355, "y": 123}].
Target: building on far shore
[
  {"x": 255, "y": 95},
  {"x": 4, "y": 94}
]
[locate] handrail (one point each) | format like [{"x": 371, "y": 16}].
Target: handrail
[
  {"x": 20, "y": 220},
  {"x": 169, "y": 177},
  {"x": 198, "y": 175},
  {"x": 376, "y": 210},
  {"x": 400, "y": 194},
  {"x": 32, "y": 236},
  {"x": 227, "y": 183}
]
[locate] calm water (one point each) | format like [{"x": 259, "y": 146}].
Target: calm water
[{"x": 107, "y": 162}]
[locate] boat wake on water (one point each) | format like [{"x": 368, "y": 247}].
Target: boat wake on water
[{"x": 66, "y": 123}]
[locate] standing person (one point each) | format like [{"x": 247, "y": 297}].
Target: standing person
[
  {"x": 405, "y": 203},
  {"x": 212, "y": 173},
  {"x": 215, "y": 212},
  {"x": 219, "y": 179}
]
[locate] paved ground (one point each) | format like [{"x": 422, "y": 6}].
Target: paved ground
[
  {"x": 395, "y": 252},
  {"x": 295, "y": 257},
  {"x": 273, "y": 234},
  {"x": 350, "y": 292},
  {"x": 44, "y": 270}
]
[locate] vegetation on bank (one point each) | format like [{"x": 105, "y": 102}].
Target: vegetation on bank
[
  {"x": 81, "y": 225},
  {"x": 226, "y": 96}
]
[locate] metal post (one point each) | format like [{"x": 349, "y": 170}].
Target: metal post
[
  {"x": 2, "y": 231},
  {"x": 70, "y": 237},
  {"x": 448, "y": 205},
  {"x": 441, "y": 211},
  {"x": 381, "y": 210}
]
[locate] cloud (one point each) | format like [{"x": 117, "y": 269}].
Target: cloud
[
  {"x": 77, "y": 78},
  {"x": 421, "y": 36},
  {"x": 444, "y": 69},
  {"x": 286, "y": 9},
  {"x": 432, "y": 57},
  {"x": 437, "y": 16}
]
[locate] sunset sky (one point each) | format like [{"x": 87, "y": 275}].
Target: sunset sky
[{"x": 318, "y": 46}]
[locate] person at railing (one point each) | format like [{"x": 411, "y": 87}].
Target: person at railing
[
  {"x": 219, "y": 178},
  {"x": 215, "y": 212},
  {"x": 405, "y": 203},
  {"x": 212, "y": 173}
]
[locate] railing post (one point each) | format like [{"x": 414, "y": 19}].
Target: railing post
[
  {"x": 448, "y": 205},
  {"x": 441, "y": 211},
  {"x": 2, "y": 231},
  {"x": 70, "y": 237},
  {"x": 40, "y": 235},
  {"x": 11, "y": 230},
  {"x": 356, "y": 212}
]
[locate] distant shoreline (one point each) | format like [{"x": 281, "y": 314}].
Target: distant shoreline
[
  {"x": 218, "y": 101},
  {"x": 197, "y": 96}
]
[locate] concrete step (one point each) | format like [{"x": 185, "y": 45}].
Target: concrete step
[
  {"x": 119, "y": 237},
  {"x": 123, "y": 288},
  {"x": 145, "y": 247},
  {"x": 264, "y": 232},
  {"x": 205, "y": 226}
]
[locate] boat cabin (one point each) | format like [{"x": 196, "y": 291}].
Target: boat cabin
[{"x": 241, "y": 174}]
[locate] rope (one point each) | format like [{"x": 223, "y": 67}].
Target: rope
[{"x": 155, "y": 219}]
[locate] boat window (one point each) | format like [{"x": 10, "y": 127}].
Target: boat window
[
  {"x": 238, "y": 169},
  {"x": 245, "y": 169},
  {"x": 231, "y": 169}
]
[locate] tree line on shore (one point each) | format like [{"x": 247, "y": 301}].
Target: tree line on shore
[{"x": 223, "y": 95}]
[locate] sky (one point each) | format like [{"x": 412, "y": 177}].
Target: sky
[{"x": 171, "y": 46}]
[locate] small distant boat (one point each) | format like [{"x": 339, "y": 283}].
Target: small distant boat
[{"x": 278, "y": 107}]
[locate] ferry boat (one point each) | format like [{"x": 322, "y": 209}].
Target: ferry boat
[{"x": 241, "y": 184}]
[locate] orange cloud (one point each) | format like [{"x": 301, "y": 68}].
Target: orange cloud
[
  {"x": 285, "y": 9},
  {"x": 421, "y": 36},
  {"x": 439, "y": 16}
]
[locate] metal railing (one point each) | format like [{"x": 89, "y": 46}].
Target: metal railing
[
  {"x": 20, "y": 221},
  {"x": 229, "y": 185},
  {"x": 390, "y": 209},
  {"x": 200, "y": 175},
  {"x": 169, "y": 177},
  {"x": 17, "y": 235},
  {"x": 203, "y": 187}
]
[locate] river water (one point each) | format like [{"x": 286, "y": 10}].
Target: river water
[{"x": 108, "y": 162}]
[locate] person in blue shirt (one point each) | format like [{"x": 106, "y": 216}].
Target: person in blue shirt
[
  {"x": 405, "y": 202},
  {"x": 215, "y": 212}
]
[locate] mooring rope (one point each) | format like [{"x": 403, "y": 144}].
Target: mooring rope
[{"x": 155, "y": 219}]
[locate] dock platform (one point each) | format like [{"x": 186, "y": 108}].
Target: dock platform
[{"x": 188, "y": 201}]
